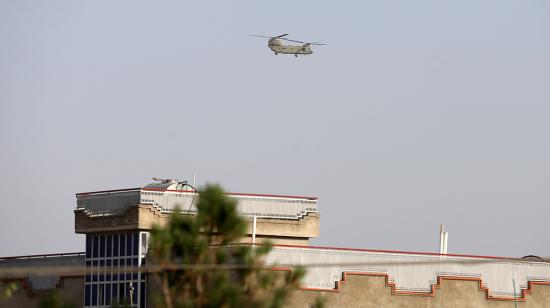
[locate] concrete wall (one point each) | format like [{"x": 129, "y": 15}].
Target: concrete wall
[
  {"x": 144, "y": 217},
  {"x": 374, "y": 292},
  {"x": 69, "y": 290},
  {"x": 355, "y": 291},
  {"x": 410, "y": 272}
]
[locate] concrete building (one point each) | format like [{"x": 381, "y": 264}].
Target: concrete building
[{"x": 117, "y": 224}]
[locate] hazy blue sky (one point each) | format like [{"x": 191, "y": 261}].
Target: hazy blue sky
[{"x": 416, "y": 113}]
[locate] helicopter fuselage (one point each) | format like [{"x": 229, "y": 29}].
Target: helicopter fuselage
[{"x": 278, "y": 47}]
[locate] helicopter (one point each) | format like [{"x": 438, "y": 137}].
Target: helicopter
[{"x": 276, "y": 45}]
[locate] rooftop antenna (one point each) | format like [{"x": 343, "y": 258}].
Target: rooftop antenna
[{"x": 194, "y": 178}]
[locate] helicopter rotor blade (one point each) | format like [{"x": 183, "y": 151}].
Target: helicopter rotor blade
[
  {"x": 260, "y": 36},
  {"x": 281, "y": 37},
  {"x": 295, "y": 41},
  {"x": 271, "y": 37}
]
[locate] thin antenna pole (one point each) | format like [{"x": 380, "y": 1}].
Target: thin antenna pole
[
  {"x": 445, "y": 242},
  {"x": 441, "y": 238},
  {"x": 194, "y": 178}
]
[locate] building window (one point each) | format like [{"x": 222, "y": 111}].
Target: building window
[
  {"x": 122, "y": 245},
  {"x": 129, "y": 244},
  {"x": 95, "y": 247},
  {"x": 102, "y": 246},
  {"x": 88, "y": 246},
  {"x": 113, "y": 262},
  {"x": 115, "y": 245},
  {"x": 101, "y": 296},
  {"x": 109, "y": 252},
  {"x": 87, "y": 295}
]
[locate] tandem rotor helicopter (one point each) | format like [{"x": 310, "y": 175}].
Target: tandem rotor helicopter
[{"x": 278, "y": 47}]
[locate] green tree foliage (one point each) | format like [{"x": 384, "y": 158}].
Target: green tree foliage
[
  {"x": 53, "y": 300},
  {"x": 7, "y": 290},
  {"x": 203, "y": 267}
]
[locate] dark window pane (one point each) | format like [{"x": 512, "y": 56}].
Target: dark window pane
[
  {"x": 122, "y": 245},
  {"x": 88, "y": 263},
  {"x": 129, "y": 244},
  {"x": 101, "y": 294},
  {"x": 143, "y": 261},
  {"x": 88, "y": 246},
  {"x": 136, "y": 244},
  {"x": 101, "y": 277},
  {"x": 109, "y": 246},
  {"x": 122, "y": 262},
  {"x": 87, "y": 295},
  {"x": 101, "y": 263},
  {"x": 94, "y": 295},
  {"x": 107, "y": 294},
  {"x": 142, "y": 295},
  {"x": 121, "y": 292},
  {"x": 102, "y": 246},
  {"x": 135, "y": 261},
  {"x": 135, "y": 293},
  {"x": 108, "y": 263},
  {"x": 115, "y": 270},
  {"x": 115, "y": 293},
  {"x": 142, "y": 276},
  {"x": 94, "y": 263},
  {"x": 94, "y": 277},
  {"x": 128, "y": 276},
  {"x": 95, "y": 246},
  {"x": 88, "y": 278},
  {"x": 135, "y": 276},
  {"x": 121, "y": 269},
  {"x": 115, "y": 245}
]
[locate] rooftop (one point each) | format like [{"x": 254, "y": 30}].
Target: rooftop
[{"x": 166, "y": 197}]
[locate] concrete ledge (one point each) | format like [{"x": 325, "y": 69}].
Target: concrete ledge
[{"x": 144, "y": 217}]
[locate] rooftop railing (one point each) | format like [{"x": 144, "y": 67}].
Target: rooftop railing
[
  {"x": 44, "y": 256},
  {"x": 262, "y": 206}
]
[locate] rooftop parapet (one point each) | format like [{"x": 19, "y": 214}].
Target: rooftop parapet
[
  {"x": 35, "y": 263},
  {"x": 412, "y": 272},
  {"x": 166, "y": 199}
]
